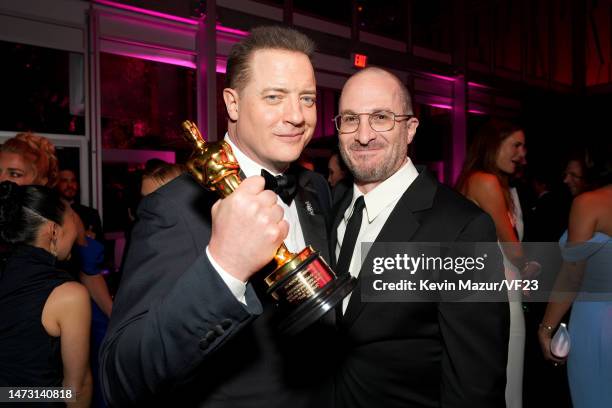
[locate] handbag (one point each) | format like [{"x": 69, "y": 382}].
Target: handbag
[{"x": 561, "y": 343}]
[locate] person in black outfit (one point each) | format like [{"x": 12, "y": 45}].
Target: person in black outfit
[
  {"x": 545, "y": 384},
  {"x": 68, "y": 187},
  {"x": 407, "y": 354},
  {"x": 44, "y": 315},
  {"x": 546, "y": 219},
  {"x": 191, "y": 323},
  {"x": 80, "y": 265}
]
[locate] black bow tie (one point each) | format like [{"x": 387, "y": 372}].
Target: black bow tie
[{"x": 283, "y": 185}]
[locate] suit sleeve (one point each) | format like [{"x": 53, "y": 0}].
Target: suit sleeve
[
  {"x": 171, "y": 312},
  {"x": 475, "y": 336}
]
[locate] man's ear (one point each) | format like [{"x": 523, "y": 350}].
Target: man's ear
[
  {"x": 51, "y": 229},
  {"x": 232, "y": 100},
  {"x": 412, "y": 124}
]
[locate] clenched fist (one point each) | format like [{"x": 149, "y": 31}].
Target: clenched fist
[{"x": 247, "y": 229}]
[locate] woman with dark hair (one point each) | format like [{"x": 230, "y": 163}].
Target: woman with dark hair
[
  {"x": 585, "y": 284},
  {"x": 580, "y": 173},
  {"x": 44, "y": 316},
  {"x": 30, "y": 159},
  {"x": 495, "y": 154}
]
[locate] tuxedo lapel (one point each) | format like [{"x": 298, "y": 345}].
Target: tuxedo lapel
[
  {"x": 311, "y": 215},
  {"x": 402, "y": 224}
]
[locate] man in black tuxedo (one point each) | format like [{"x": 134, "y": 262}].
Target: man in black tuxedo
[
  {"x": 419, "y": 354},
  {"x": 191, "y": 325}
]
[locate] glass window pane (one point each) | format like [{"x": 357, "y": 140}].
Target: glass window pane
[
  {"x": 432, "y": 24},
  {"x": 221, "y": 110},
  {"x": 433, "y": 135},
  {"x": 121, "y": 192},
  {"x": 279, "y": 3},
  {"x": 537, "y": 39},
  {"x": 384, "y": 18},
  {"x": 508, "y": 33},
  {"x": 144, "y": 103},
  {"x": 42, "y": 90},
  {"x": 479, "y": 35},
  {"x": 562, "y": 48},
  {"x": 338, "y": 11}
]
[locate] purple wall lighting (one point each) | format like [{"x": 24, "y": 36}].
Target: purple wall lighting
[
  {"x": 477, "y": 112},
  {"x": 147, "y": 12},
  {"x": 165, "y": 60},
  {"x": 477, "y": 85},
  {"x": 192, "y": 21},
  {"x": 181, "y": 58},
  {"x": 441, "y": 77},
  {"x": 441, "y": 106},
  {"x": 234, "y": 31}
]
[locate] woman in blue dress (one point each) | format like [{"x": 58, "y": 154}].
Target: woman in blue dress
[{"x": 585, "y": 284}]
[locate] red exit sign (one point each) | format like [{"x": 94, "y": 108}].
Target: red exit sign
[{"x": 360, "y": 60}]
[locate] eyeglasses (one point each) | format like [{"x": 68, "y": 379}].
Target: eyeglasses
[{"x": 381, "y": 121}]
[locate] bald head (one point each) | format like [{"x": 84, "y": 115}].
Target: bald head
[
  {"x": 394, "y": 84},
  {"x": 374, "y": 152}
]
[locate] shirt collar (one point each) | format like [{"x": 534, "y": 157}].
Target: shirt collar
[
  {"x": 386, "y": 193},
  {"x": 248, "y": 166}
]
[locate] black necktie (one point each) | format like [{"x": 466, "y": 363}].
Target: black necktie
[
  {"x": 350, "y": 237},
  {"x": 284, "y": 185}
]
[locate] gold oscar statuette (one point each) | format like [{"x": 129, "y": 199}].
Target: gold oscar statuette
[{"x": 302, "y": 284}]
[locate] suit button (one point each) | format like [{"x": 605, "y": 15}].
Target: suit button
[
  {"x": 204, "y": 344},
  {"x": 226, "y": 323},
  {"x": 218, "y": 330},
  {"x": 210, "y": 336}
]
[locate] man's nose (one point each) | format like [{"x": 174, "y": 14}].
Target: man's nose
[
  {"x": 364, "y": 133},
  {"x": 293, "y": 112}
]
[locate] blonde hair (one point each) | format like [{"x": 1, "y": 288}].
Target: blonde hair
[{"x": 40, "y": 152}]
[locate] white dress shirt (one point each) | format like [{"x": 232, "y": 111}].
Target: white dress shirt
[
  {"x": 379, "y": 203},
  {"x": 294, "y": 241}
]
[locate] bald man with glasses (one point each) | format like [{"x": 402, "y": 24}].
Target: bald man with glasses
[{"x": 409, "y": 354}]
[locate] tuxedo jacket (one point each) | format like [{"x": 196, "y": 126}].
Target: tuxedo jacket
[
  {"x": 423, "y": 354},
  {"x": 177, "y": 335}
]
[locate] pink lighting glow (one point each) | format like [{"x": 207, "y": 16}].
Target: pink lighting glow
[
  {"x": 477, "y": 85},
  {"x": 231, "y": 30},
  {"x": 477, "y": 112},
  {"x": 442, "y": 77},
  {"x": 191, "y": 21},
  {"x": 147, "y": 12},
  {"x": 165, "y": 60},
  {"x": 220, "y": 66},
  {"x": 441, "y": 106}
]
